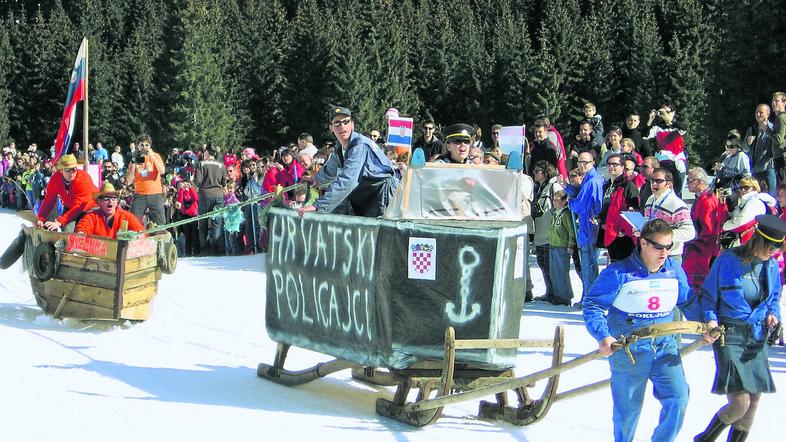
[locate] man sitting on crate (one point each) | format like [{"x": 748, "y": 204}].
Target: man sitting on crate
[
  {"x": 639, "y": 291},
  {"x": 74, "y": 188},
  {"x": 108, "y": 219}
]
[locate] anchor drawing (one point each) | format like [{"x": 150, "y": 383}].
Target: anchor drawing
[{"x": 467, "y": 267}]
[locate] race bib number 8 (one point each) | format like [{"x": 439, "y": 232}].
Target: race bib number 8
[{"x": 647, "y": 296}]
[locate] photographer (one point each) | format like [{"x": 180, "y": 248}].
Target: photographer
[
  {"x": 668, "y": 145},
  {"x": 145, "y": 171},
  {"x": 734, "y": 164}
]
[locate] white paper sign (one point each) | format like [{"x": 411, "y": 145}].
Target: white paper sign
[
  {"x": 518, "y": 264},
  {"x": 422, "y": 256}
]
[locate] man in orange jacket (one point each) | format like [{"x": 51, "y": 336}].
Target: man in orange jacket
[
  {"x": 108, "y": 219},
  {"x": 74, "y": 187}
]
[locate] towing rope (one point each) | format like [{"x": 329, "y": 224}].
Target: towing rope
[{"x": 129, "y": 235}]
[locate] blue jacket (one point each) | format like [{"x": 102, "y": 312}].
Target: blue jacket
[
  {"x": 586, "y": 202},
  {"x": 632, "y": 273},
  {"x": 362, "y": 159},
  {"x": 722, "y": 297}
]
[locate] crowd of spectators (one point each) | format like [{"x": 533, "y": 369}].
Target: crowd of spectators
[{"x": 599, "y": 170}]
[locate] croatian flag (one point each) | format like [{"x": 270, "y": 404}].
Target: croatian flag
[
  {"x": 76, "y": 93},
  {"x": 400, "y": 133},
  {"x": 511, "y": 138}
]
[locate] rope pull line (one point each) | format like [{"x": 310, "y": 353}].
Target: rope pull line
[{"x": 129, "y": 235}]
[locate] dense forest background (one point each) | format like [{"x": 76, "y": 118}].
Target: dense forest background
[{"x": 258, "y": 72}]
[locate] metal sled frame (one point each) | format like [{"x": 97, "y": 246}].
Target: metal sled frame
[{"x": 445, "y": 382}]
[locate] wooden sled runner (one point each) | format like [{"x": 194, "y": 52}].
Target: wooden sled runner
[
  {"x": 93, "y": 278},
  {"x": 445, "y": 382}
]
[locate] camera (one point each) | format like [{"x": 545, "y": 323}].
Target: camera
[
  {"x": 139, "y": 159},
  {"x": 726, "y": 192}
]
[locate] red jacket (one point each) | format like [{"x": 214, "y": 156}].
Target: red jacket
[
  {"x": 708, "y": 215},
  {"x": 188, "y": 199},
  {"x": 624, "y": 196},
  {"x": 94, "y": 223},
  {"x": 76, "y": 199}
]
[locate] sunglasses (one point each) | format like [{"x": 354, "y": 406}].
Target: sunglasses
[
  {"x": 459, "y": 140},
  {"x": 70, "y": 169},
  {"x": 659, "y": 181},
  {"x": 615, "y": 165},
  {"x": 340, "y": 123},
  {"x": 658, "y": 246},
  {"x": 108, "y": 198},
  {"x": 495, "y": 133}
]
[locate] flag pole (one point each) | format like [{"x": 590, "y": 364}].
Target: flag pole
[{"x": 84, "y": 113}]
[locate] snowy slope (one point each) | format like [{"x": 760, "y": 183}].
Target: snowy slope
[{"x": 189, "y": 373}]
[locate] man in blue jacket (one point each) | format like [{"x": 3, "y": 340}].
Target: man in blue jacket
[
  {"x": 357, "y": 175},
  {"x": 586, "y": 203},
  {"x": 636, "y": 292}
]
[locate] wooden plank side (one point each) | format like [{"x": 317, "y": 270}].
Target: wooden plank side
[
  {"x": 142, "y": 277},
  {"x": 141, "y": 263},
  {"x": 139, "y": 295},
  {"x": 105, "y": 265},
  {"x": 139, "y": 312},
  {"x": 86, "y": 277},
  {"x": 77, "y": 292},
  {"x": 75, "y": 309},
  {"x": 120, "y": 277},
  {"x": 88, "y": 263}
]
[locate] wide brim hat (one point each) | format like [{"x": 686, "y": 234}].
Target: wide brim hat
[
  {"x": 460, "y": 130},
  {"x": 771, "y": 228},
  {"x": 67, "y": 161},
  {"x": 106, "y": 189}
]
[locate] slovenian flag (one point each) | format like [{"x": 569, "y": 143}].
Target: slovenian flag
[
  {"x": 400, "y": 133},
  {"x": 76, "y": 93}
]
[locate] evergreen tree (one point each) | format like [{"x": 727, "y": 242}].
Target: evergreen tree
[
  {"x": 5, "y": 95},
  {"x": 52, "y": 51},
  {"x": 146, "y": 73},
  {"x": 432, "y": 63},
  {"x": 557, "y": 72},
  {"x": 304, "y": 102},
  {"x": 388, "y": 44},
  {"x": 639, "y": 57},
  {"x": 203, "y": 106},
  {"x": 598, "y": 83},
  {"x": 261, "y": 35},
  {"x": 513, "y": 68},
  {"x": 348, "y": 72},
  {"x": 690, "y": 48}
]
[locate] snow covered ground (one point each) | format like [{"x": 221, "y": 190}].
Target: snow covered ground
[{"x": 189, "y": 373}]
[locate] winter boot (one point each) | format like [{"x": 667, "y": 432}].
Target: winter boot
[
  {"x": 714, "y": 429},
  {"x": 737, "y": 435}
]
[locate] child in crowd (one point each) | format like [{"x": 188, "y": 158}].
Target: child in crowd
[
  {"x": 591, "y": 114},
  {"x": 562, "y": 243},
  {"x": 232, "y": 239}
]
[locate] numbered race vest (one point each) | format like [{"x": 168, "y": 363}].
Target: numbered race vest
[{"x": 653, "y": 297}]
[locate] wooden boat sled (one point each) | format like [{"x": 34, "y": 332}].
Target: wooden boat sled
[{"x": 93, "y": 278}]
